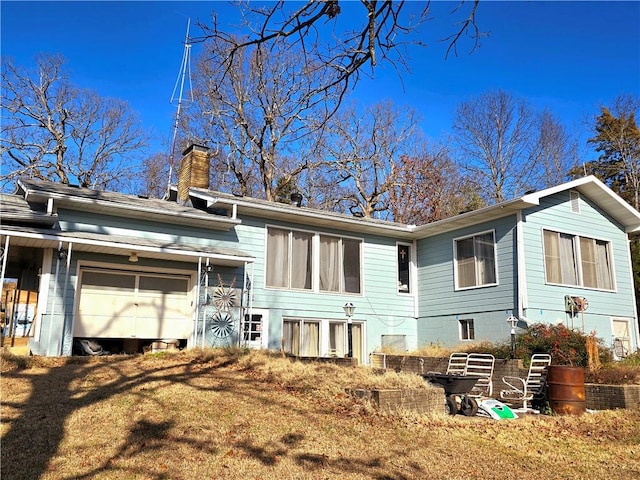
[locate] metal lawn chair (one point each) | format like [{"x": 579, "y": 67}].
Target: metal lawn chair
[
  {"x": 457, "y": 363},
  {"x": 524, "y": 389},
  {"x": 481, "y": 365}
]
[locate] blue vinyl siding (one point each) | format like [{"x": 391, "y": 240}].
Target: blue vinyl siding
[
  {"x": 441, "y": 304},
  {"x": 545, "y": 301},
  {"x": 379, "y": 305}
]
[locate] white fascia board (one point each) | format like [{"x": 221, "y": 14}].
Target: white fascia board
[
  {"x": 70, "y": 238},
  {"x": 219, "y": 223}
]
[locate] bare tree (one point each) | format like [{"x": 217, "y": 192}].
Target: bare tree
[
  {"x": 54, "y": 131},
  {"x": 380, "y": 33},
  {"x": 154, "y": 178},
  {"x": 428, "y": 187},
  {"x": 506, "y": 147},
  {"x": 363, "y": 151},
  {"x": 257, "y": 115}
]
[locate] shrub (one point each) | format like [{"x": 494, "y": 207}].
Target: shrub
[
  {"x": 566, "y": 346},
  {"x": 615, "y": 373}
]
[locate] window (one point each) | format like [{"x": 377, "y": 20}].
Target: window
[
  {"x": 301, "y": 337},
  {"x": 621, "y": 338},
  {"x": 289, "y": 259},
  {"x": 575, "y": 260},
  {"x": 252, "y": 328},
  {"x": 466, "y": 329},
  {"x": 404, "y": 262},
  {"x": 337, "y": 339},
  {"x": 339, "y": 264},
  {"x": 291, "y": 255},
  {"x": 475, "y": 261}
]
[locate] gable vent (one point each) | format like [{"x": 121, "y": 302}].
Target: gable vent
[{"x": 575, "y": 201}]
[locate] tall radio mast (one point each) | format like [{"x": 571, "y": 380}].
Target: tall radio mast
[{"x": 185, "y": 73}]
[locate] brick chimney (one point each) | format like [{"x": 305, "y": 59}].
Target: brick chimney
[{"x": 193, "y": 171}]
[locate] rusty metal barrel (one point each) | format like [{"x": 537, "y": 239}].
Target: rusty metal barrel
[{"x": 566, "y": 389}]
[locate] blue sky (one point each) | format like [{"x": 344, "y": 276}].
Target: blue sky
[{"x": 569, "y": 57}]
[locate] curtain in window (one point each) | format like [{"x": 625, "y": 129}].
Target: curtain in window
[
  {"x": 301, "y": 260},
  {"x": 465, "y": 260},
  {"x": 310, "y": 339},
  {"x": 351, "y": 265},
  {"x": 277, "y": 258},
  {"x": 485, "y": 255},
  {"x": 552, "y": 257},
  {"x": 291, "y": 336},
  {"x": 356, "y": 338},
  {"x": 568, "y": 260},
  {"x": 588, "y": 262},
  {"x": 603, "y": 266},
  {"x": 329, "y": 264},
  {"x": 338, "y": 339}
]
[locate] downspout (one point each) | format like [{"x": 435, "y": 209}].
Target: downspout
[
  {"x": 633, "y": 293},
  {"x": 523, "y": 299},
  {"x": 64, "y": 297},
  {"x": 413, "y": 272}
]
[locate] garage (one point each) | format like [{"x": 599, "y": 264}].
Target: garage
[{"x": 133, "y": 304}]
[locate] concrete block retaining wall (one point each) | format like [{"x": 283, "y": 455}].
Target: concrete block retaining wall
[{"x": 598, "y": 397}]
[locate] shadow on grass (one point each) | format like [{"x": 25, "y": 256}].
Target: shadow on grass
[{"x": 39, "y": 422}]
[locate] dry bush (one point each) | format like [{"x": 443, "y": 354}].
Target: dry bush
[{"x": 614, "y": 374}]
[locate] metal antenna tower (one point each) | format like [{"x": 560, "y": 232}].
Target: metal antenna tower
[{"x": 185, "y": 73}]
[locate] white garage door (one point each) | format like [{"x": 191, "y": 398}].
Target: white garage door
[{"x": 116, "y": 304}]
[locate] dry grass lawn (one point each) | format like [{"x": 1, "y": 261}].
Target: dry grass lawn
[{"x": 228, "y": 415}]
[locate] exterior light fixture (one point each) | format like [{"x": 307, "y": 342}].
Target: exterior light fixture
[
  {"x": 513, "y": 322},
  {"x": 133, "y": 257},
  {"x": 348, "y": 310}
]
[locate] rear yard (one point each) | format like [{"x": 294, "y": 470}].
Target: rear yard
[{"x": 231, "y": 415}]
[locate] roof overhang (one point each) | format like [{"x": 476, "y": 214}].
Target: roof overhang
[
  {"x": 602, "y": 195},
  {"x": 115, "y": 204},
  {"x": 474, "y": 217},
  {"x": 303, "y": 215},
  {"x": 111, "y": 245},
  {"x": 589, "y": 186}
]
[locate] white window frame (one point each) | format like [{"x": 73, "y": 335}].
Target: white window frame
[
  {"x": 264, "y": 334},
  {"x": 465, "y": 331},
  {"x": 301, "y": 339},
  {"x": 411, "y": 267},
  {"x": 627, "y": 342},
  {"x": 316, "y": 261},
  {"x": 577, "y": 260},
  {"x": 290, "y": 233},
  {"x": 455, "y": 261}
]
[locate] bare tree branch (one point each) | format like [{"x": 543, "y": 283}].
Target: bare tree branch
[{"x": 53, "y": 131}]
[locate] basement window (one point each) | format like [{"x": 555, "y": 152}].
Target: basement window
[{"x": 467, "y": 331}]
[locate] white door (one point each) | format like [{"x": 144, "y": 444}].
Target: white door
[
  {"x": 255, "y": 327},
  {"x": 117, "y": 304}
]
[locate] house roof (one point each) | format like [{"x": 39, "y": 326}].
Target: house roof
[
  {"x": 119, "y": 204},
  {"x": 589, "y": 186},
  {"x": 131, "y": 206},
  {"x": 304, "y": 215},
  {"x": 15, "y": 209}
]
